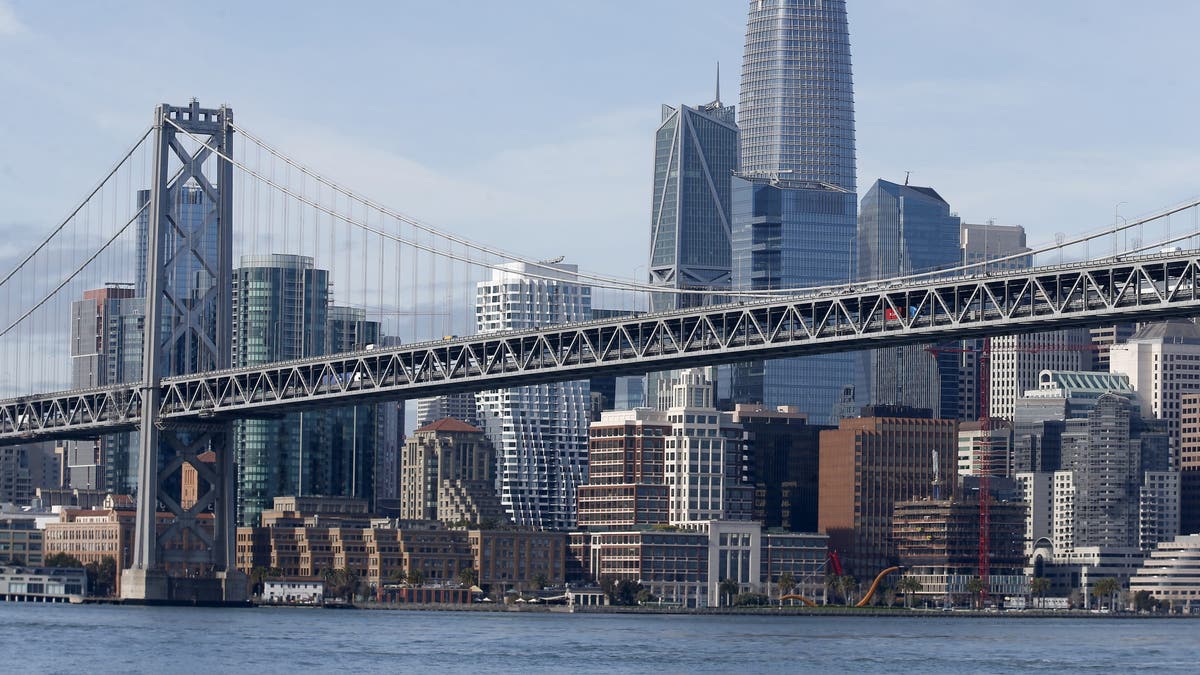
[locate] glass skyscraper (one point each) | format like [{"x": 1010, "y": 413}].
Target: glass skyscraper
[
  {"x": 794, "y": 201},
  {"x": 905, "y": 229},
  {"x": 280, "y": 310},
  {"x": 695, "y": 153}
]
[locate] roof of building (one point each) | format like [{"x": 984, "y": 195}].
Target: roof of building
[
  {"x": 1079, "y": 382},
  {"x": 450, "y": 424},
  {"x": 1167, "y": 330}
]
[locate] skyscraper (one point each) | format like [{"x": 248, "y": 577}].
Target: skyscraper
[
  {"x": 905, "y": 229},
  {"x": 280, "y": 306},
  {"x": 695, "y": 153},
  {"x": 794, "y": 202},
  {"x": 540, "y": 432}
]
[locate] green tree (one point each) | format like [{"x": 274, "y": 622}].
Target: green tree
[
  {"x": 975, "y": 589},
  {"x": 540, "y": 581},
  {"x": 398, "y": 575},
  {"x": 102, "y": 577},
  {"x": 1143, "y": 601},
  {"x": 908, "y": 586},
  {"x": 1038, "y": 586},
  {"x": 644, "y": 596},
  {"x": 1106, "y": 587},
  {"x": 751, "y": 600},
  {"x": 468, "y": 577},
  {"x": 416, "y": 577},
  {"x": 786, "y": 584},
  {"x": 62, "y": 560},
  {"x": 728, "y": 588},
  {"x": 341, "y": 583},
  {"x": 846, "y": 586}
]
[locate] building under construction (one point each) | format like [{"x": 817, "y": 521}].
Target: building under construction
[{"x": 937, "y": 541}]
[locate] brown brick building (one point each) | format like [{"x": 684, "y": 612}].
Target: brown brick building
[
  {"x": 867, "y": 465},
  {"x": 626, "y": 485}
]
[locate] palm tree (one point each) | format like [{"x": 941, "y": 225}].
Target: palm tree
[
  {"x": 975, "y": 588},
  {"x": 846, "y": 585},
  {"x": 786, "y": 584},
  {"x": 1106, "y": 588},
  {"x": 729, "y": 588},
  {"x": 1038, "y": 586},
  {"x": 908, "y": 586},
  {"x": 468, "y": 577}
]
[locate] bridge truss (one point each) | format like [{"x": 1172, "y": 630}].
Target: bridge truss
[{"x": 851, "y": 318}]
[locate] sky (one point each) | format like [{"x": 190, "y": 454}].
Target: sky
[{"x": 529, "y": 124}]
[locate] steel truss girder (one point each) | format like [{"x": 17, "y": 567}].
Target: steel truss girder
[{"x": 857, "y": 317}]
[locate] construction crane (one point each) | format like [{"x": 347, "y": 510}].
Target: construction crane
[{"x": 984, "y": 459}]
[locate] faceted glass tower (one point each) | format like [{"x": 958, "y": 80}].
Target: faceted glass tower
[
  {"x": 905, "y": 229},
  {"x": 794, "y": 202},
  {"x": 695, "y": 153}
]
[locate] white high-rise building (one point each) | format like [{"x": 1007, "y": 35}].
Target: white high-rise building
[
  {"x": 1016, "y": 361},
  {"x": 1162, "y": 361},
  {"x": 540, "y": 432},
  {"x": 695, "y": 452}
]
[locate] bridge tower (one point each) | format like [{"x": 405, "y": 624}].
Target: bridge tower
[{"x": 187, "y": 245}]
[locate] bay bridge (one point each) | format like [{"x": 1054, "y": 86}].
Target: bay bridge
[{"x": 186, "y": 391}]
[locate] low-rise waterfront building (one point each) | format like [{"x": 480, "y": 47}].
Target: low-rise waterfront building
[
  {"x": 42, "y": 584},
  {"x": 1171, "y": 573}
]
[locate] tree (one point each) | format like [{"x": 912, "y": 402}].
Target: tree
[
  {"x": 1143, "y": 601},
  {"x": 416, "y": 577},
  {"x": 102, "y": 577},
  {"x": 62, "y": 560},
  {"x": 846, "y": 585},
  {"x": 975, "y": 589},
  {"x": 1106, "y": 587},
  {"x": 727, "y": 589},
  {"x": 908, "y": 586},
  {"x": 540, "y": 581},
  {"x": 786, "y": 584},
  {"x": 1038, "y": 586},
  {"x": 751, "y": 600},
  {"x": 341, "y": 582},
  {"x": 468, "y": 576}
]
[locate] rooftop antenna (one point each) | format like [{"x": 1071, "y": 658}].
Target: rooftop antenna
[
  {"x": 718, "y": 99},
  {"x": 906, "y": 177}
]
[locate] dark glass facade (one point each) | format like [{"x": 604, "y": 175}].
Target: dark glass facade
[
  {"x": 794, "y": 202},
  {"x": 905, "y": 229}
]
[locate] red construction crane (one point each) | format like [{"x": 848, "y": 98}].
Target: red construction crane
[{"x": 984, "y": 462}]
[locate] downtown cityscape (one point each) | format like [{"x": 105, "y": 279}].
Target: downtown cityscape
[{"x": 232, "y": 380}]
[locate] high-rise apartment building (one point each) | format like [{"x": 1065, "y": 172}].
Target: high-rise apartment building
[
  {"x": 447, "y": 473},
  {"x": 95, "y": 362},
  {"x": 794, "y": 202},
  {"x": 902, "y": 230},
  {"x": 539, "y": 431},
  {"x": 1017, "y": 360},
  {"x": 1189, "y": 463},
  {"x": 1112, "y": 490},
  {"x": 626, "y": 485},
  {"x": 702, "y": 471},
  {"x": 457, "y": 406},
  {"x": 870, "y": 463},
  {"x": 1162, "y": 361},
  {"x": 280, "y": 307}
]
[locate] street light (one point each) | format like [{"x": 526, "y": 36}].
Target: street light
[{"x": 1116, "y": 215}]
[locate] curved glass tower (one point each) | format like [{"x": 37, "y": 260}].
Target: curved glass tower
[{"x": 794, "y": 202}]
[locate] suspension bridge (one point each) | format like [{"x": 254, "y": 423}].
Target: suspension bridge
[{"x": 159, "y": 235}]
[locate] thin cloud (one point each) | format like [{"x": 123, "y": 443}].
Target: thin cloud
[{"x": 10, "y": 25}]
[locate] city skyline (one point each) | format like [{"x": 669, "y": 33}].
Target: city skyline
[{"x": 983, "y": 116}]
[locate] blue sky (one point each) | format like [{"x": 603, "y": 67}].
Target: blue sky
[{"x": 530, "y": 124}]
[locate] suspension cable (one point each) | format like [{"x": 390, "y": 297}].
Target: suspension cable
[{"x": 79, "y": 208}]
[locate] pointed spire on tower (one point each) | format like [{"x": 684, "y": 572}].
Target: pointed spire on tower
[{"x": 718, "y": 99}]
